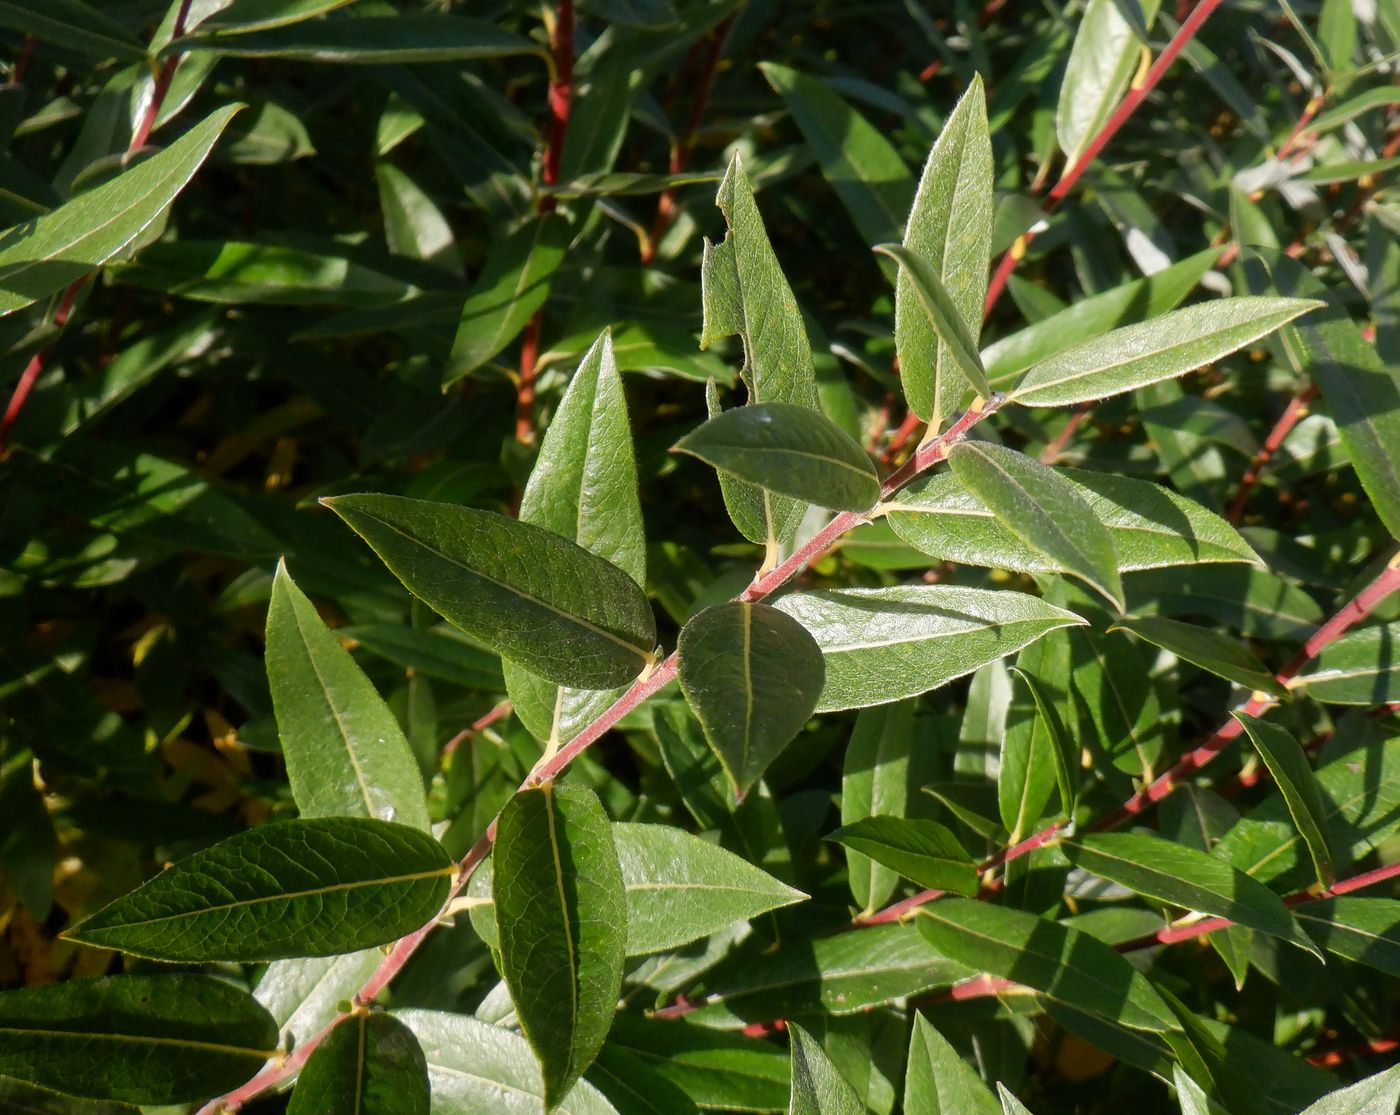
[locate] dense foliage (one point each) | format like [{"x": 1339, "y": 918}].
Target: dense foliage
[{"x": 510, "y": 604}]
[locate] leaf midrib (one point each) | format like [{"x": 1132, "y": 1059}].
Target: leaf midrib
[{"x": 148, "y": 1039}]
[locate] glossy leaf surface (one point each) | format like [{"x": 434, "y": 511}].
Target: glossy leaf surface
[
  {"x": 1298, "y": 783},
  {"x": 370, "y": 1064},
  {"x": 923, "y": 851}
]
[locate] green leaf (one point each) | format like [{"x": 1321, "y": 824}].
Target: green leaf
[
  {"x": 1211, "y": 651},
  {"x": 744, "y": 292},
  {"x": 1361, "y": 391},
  {"x": 752, "y": 676},
  {"x": 953, "y": 332},
  {"x": 512, "y": 285},
  {"x": 438, "y": 653},
  {"x": 817, "y": 1087},
  {"x": 1064, "y": 756},
  {"x": 1162, "y": 348},
  {"x": 1189, "y": 1095},
  {"x": 584, "y": 488},
  {"x": 44, "y": 255},
  {"x": 291, "y": 888},
  {"x": 938, "y": 1081},
  {"x": 1375, "y": 1095},
  {"x": 536, "y": 598},
  {"x": 1064, "y": 964},
  {"x": 1185, "y": 877},
  {"x": 875, "y": 781},
  {"x": 790, "y": 450},
  {"x": 864, "y": 170},
  {"x": 1010, "y": 1105},
  {"x": 475, "y": 1068},
  {"x": 950, "y": 227},
  {"x": 1113, "y": 677},
  {"x": 345, "y": 752},
  {"x": 1360, "y": 668},
  {"x": 885, "y": 644},
  {"x": 370, "y": 1064},
  {"x": 1297, "y": 781},
  {"x": 1088, "y": 317},
  {"x": 1042, "y": 509},
  {"x": 303, "y": 995},
  {"x": 1258, "y": 603},
  {"x": 650, "y": 15},
  {"x": 140, "y": 1039},
  {"x": 1101, "y": 63},
  {"x": 72, "y": 25},
  {"x": 257, "y": 15},
  {"x": 562, "y": 918},
  {"x": 390, "y": 39},
  {"x": 1366, "y": 930},
  {"x": 925, "y": 852},
  {"x": 1150, "y": 526}
]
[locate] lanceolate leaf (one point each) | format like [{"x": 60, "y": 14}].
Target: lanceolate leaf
[
  {"x": 1149, "y": 525},
  {"x": 345, "y": 752},
  {"x": 73, "y": 25},
  {"x": 954, "y": 335},
  {"x": 789, "y": 450},
  {"x": 369, "y": 1065},
  {"x": 562, "y": 917},
  {"x": 1366, "y": 930},
  {"x": 583, "y": 487},
  {"x": 752, "y": 675},
  {"x": 817, "y": 1087},
  {"x": 888, "y": 643},
  {"x": 876, "y": 781},
  {"x": 1360, "y": 668},
  {"x": 291, "y": 888},
  {"x": 1062, "y": 963},
  {"x": 1051, "y": 727},
  {"x": 1162, "y": 348},
  {"x": 1206, "y": 648},
  {"x": 1185, "y": 877},
  {"x": 1043, "y": 509},
  {"x": 46, "y": 254},
  {"x": 923, "y": 851},
  {"x": 369, "y": 39},
  {"x": 950, "y": 226},
  {"x": 1378, "y": 1094},
  {"x": 1010, "y": 1105},
  {"x": 539, "y": 599},
  {"x": 1297, "y": 781},
  {"x": 1101, "y": 63},
  {"x": 939, "y": 1081},
  {"x": 139, "y": 1039}
]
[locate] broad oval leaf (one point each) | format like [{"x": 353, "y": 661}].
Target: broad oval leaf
[
  {"x": 1042, "y": 509},
  {"x": 539, "y": 599},
  {"x": 923, "y": 851},
  {"x": 345, "y": 752},
  {"x": 562, "y": 918},
  {"x": 1298, "y": 783},
  {"x": 46, "y": 254},
  {"x": 1063, "y": 963},
  {"x": 938, "y": 1081},
  {"x": 475, "y": 1068},
  {"x": 1150, "y": 526},
  {"x": 1185, "y": 877},
  {"x": 1360, "y": 668},
  {"x": 944, "y": 317},
  {"x": 752, "y": 674},
  {"x": 291, "y": 888},
  {"x": 950, "y": 226},
  {"x": 370, "y": 1064},
  {"x": 818, "y": 1088},
  {"x": 790, "y": 450},
  {"x": 139, "y": 1039},
  {"x": 1162, "y": 348},
  {"x": 884, "y": 644},
  {"x": 584, "y": 488},
  {"x": 1207, "y": 648}
]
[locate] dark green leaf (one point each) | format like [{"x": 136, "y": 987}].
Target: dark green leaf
[
  {"x": 924, "y": 852},
  {"x": 562, "y": 918},
  {"x": 953, "y": 333},
  {"x": 1366, "y": 930},
  {"x": 539, "y": 599},
  {"x": 939, "y": 1082},
  {"x": 370, "y": 1064},
  {"x": 1064, "y": 756},
  {"x": 140, "y": 1039},
  {"x": 875, "y": 781},
  {"x": 291, "y": 888},
  {"x": 367, "y": 40},
  {"x": 73, "y": 25},
  {"x": 1297, "y": 781},
  {"x": 1360, "y": 668},
  {"x": 1219, "y": 654},
  {"x": 817, "y": 1087}
]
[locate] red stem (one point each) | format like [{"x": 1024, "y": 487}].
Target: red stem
[
  {"x": 1051, "y": 453},
  {"x": 1297, "y": 408}
]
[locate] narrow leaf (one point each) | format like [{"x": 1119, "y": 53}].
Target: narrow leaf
[
  {"x": 1376, "y": 1095},
  {"x": 1065, "y": 964},
  {"x": 345, "y": 752},
  {"x": 140, "y": 1039},
  {"x": 1063, "y": 754},
  {"x": 1010, "y": 1105},
  {"x": 950, "y": 227},
  {"x": 1042, "y": 509},
  {"x": 389, "y": 39},
  {"x": 1360, "y": 668},
  {"x": 561, "y": 913},
  {"x": 953, "y": 332},
  {"x": 1162, "y": 348},
  {"x": 885, "y": 644},
  {"x": 1207, "y": 648},
  {"x": 790, "y": 450},
  {"x": 72, "y": 25},
  {"x": 924, "y": 852},
  {"x": 817, "y": 1087},
  {"x": 1365, "y": 930},
  {"x": 1101, "y": 63},
  {"x": 875, "y": 780},
  {"x": 938, "y": 1081},
  {"x": 46, "y": 254},
  {"x": 752, "y": 675},
  {"x": 539, "y": 599},
  {"x": 291, "y": 888},
  {"x": 1297, "y": 781},
  {"x": 370, "y": 1064}
]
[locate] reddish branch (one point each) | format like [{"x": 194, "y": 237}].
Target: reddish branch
[{"x": 1295, "y": 411}]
